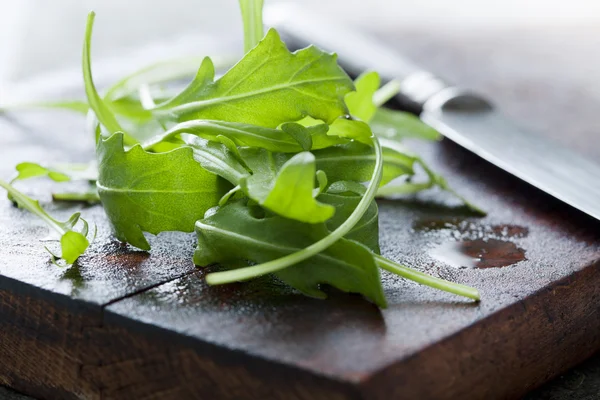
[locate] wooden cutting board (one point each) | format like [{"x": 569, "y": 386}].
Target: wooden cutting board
[{"x": 126, "y": 324}]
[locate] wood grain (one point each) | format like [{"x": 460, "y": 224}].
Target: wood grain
[{"x": 125, "y": 324}]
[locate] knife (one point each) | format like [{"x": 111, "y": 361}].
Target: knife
[{"x": 463, "y": 117}]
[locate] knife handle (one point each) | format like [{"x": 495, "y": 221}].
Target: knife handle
[{"x": 357, "y": 52}]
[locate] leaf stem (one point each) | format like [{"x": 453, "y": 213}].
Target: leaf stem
[
  {"x": 87, "y": 197},
  {"x": 386, "y": 92},
  {"x": 219, "y": 278},
  {"x": 443, "y": 184},
  {"x": 253, "y": 23},
  {"x": 31, "y": 206},
  {"x": 428, "y": 280},
  {"x": 103, "y": 113}
]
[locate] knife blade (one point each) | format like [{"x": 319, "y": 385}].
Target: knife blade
[{"x": 463, "y": 117}]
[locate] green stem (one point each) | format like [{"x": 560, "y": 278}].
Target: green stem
[
  {"x": 424, "y": 279},
  {"x": 32, "y": 206},
  {"x": 386, "y": 92},
  {"x": 88, "y": 197},
  {"x": 253, "y": 23},
  {"x": 219, "y": 278},
  {"x": 404, "y": 189},
  {"x": 441, "y": 182},
  {"x": 103, "y": 113},
  {"x": 78, "y": 106}
]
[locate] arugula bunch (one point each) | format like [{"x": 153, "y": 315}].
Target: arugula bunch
[{"x": 275, "y": 165}]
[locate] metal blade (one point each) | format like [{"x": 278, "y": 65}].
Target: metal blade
[{"x": 555, "y": 169}]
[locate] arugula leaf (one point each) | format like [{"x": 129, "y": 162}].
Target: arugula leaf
[
  {"x": 58, "y": 173},
  {"x": 238, "y": 232},
  {"x": 278, "y": 181},
  {"x": 73, "y": 243},
  {"x": 28, "y": 170},
  {"x": 285, "y": 189},
  {"x": 360, "y": 103},
  {"x": 397, "y": 125},
  {"x": 268, "y": 87},
  {"x": 282, "y": 140},
  {"x": 217, "y": 158},
  {"x": 315, "y": 248},
  {"x": 351, "y": 129},
  {"x": 146, "y": 192},
  {"x": 354, "y": 162},
  {"x": 345, "y": 196}
]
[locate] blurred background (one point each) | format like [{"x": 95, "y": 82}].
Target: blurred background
[
  {"x": 516, "y": 52},
  {"x": 40, "y": 37}
]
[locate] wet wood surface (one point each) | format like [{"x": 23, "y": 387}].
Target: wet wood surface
[{"x": 127, "y": 324}]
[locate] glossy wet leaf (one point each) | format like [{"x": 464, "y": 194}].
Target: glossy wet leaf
[
  {"x": 28, "y": 170},
  {"x": 237, "y": 232},
  {"x": 397, "y": 125},
  {"x": 73, "y": 243},
  {"x": 283, "y": 140},
  {"x": 268, "y": 87},
  {"x": 354, "y": 162},
  {"x": 146, "y": 192},
  {"x": 284, "y": 185},
  {"x": 217, "y": 158},
  {"x": 366, "y": 230},
  {"x": 360, "y": 102}
]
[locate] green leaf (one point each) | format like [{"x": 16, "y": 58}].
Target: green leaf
[
  {"x": 315, "y": 248},
  {"x": 284, "y": 184},
  {"x": 354, "y": 162},
  {"x": 360, "y": 103},
  {"x": 366, "y": 230},
  {"x": 397, "y": 125},
  {"x": 351, "y": 129},
  {"x": 28, "y": 170},
  {"x": 217, "y": 158},
  {"x": 253, "y": 25},
  {"x": 146, "y": 192},
  {"x": 290, "y": 192},
  {"x": 239, "y": 232},
  {"x": 73, "y": 243},
  {"x": 268, "y": 87},
  {"x": 61, "y": 172},
  {"x": 281, "y": 140},
  {"x": 301, "y": 134}
]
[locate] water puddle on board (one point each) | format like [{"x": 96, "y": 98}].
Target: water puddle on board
[
  {"x": 479, "y": 253},
  {"x": 471, "y": 245}
]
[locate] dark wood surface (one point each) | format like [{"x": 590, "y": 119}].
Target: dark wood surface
[{"x": 127, "y": 324}]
